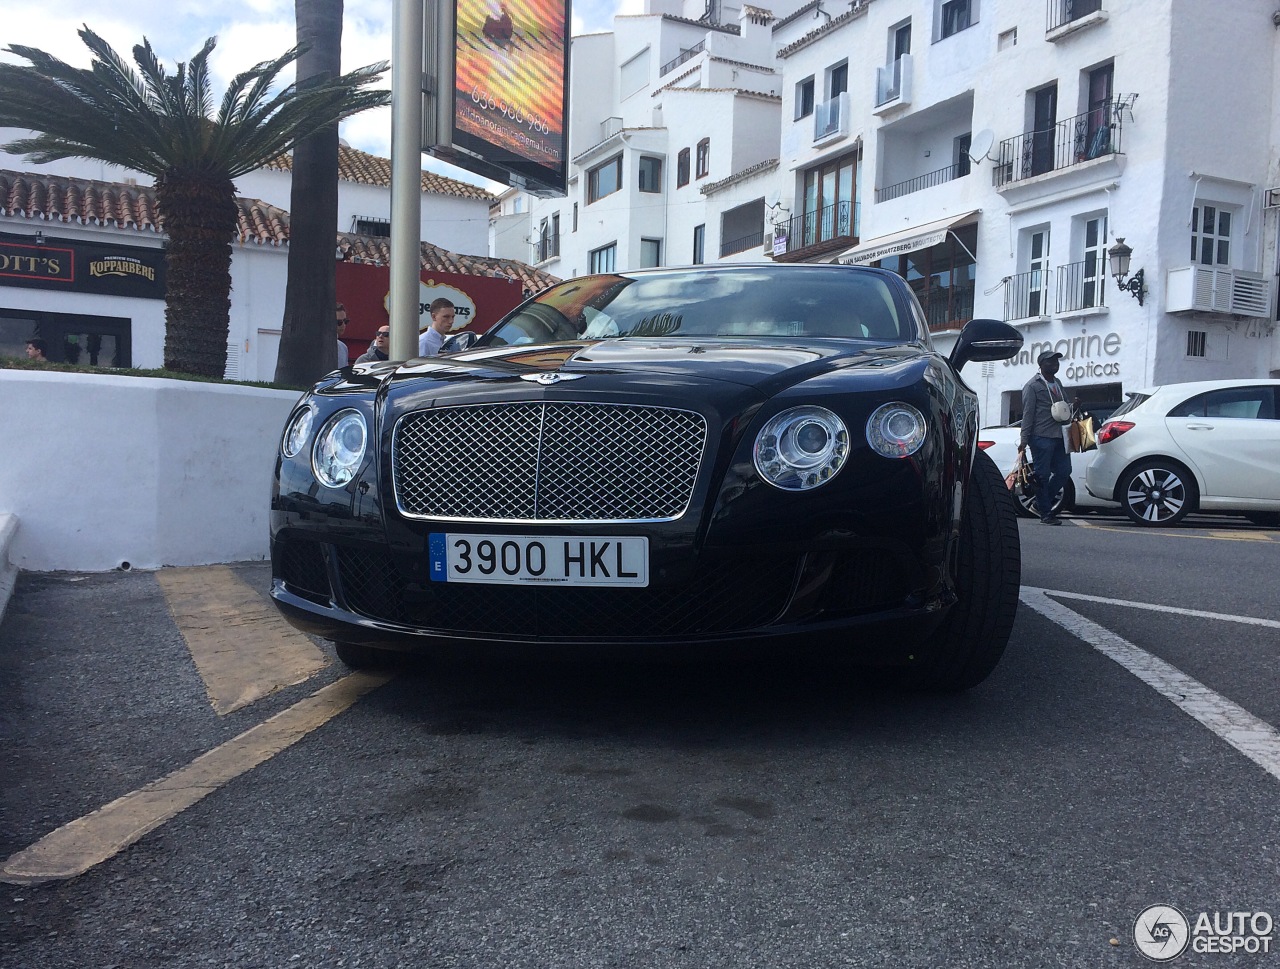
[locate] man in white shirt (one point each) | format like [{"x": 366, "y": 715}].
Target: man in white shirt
[{"x": 442, "y": 314}]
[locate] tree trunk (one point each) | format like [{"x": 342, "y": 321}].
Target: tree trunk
[
  {"x": 199, "y": 218},
  {"x": 308, "y": 337}
]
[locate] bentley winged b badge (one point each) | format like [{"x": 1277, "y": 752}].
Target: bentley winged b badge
[{"x": 547, "y": 379}]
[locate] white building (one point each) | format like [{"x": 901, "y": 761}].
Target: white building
[{"x": 991, "y": 151}]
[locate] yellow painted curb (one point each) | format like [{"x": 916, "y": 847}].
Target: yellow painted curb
[
  {"x": 242, "y": 646},
  {"x": 78, "y": 845}
]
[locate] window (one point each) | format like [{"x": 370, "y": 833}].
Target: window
[
  {"x": 704, "y": 157},
  {"x": 1095, "y": 266},
  {"x": 830, "y": 206},
  {"x": 1026, "y": 293},
  {"x": 942, "y": 277},
  {"x": 371, "y": 226},
  {"x": 650, "y": 169},
  {"x": 682, "y": 168},
  {"x": 1007, "y": 39},
  {"x": 650, "y": 253},
  {"x": 960, "y": 153},
  {"x": 804, "y": 98},
  {"x": 838, "y": 80},
  {"x": 699, "y": 244},
  {"x": 604, "y": 179},
  {"x": 1246, "y": 403},
  {"x": 575, "y": 216},
  {"x": 901, "y": 41},
  {"x": 1196, "y": 340},
  {"x": 604, "y": 259},
  {"x": 1098, "y": 133},
  {"x": 956, "y": 15},
  {"x": 1211, "y": 235}
]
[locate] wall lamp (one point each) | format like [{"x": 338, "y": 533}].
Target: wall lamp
[
  {"x": 39, "y": 237},
  {"x": 1136, "y": 286}
]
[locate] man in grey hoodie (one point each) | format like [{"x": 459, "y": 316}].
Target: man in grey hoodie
[{"x": 1042, "y": 432}]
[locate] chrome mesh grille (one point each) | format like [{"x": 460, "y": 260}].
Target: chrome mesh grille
[{"x": 552, "y": 461}]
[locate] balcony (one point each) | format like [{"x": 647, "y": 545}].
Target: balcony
[
  {"x": 548, "y": 248},
  {"x": 1081, "y": 286},
  {"x": 947, "y": 308},
  {"x": 893, "y": 85},
  {"x": 831, "y": 119},
  {"x": 1026, "y": 295},
  {"x": 814, "y": 233},
  {"x": 951, "y": 172},
  {"x": 685, "y": 55},
  {"x": 1094, "y": 134},
  {"x": 753, "y": 240},
  {"x": 1064, "y": 17},
  {"x": 1208, "y": 289}
]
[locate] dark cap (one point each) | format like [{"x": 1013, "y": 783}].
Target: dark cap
[{"x": 1048, "y": 355}]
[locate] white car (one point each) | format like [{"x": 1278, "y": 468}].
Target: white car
[
  {"x": 1001, "y": 443},
  {"x": 1208, "y": 446}
]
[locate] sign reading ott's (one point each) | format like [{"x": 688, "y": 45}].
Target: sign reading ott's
[{"x": 79, "y": 267}]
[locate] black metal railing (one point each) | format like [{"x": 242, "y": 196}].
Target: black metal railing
[
  {"x": 1093, "y": 134},
  {"x": 1027, "y": 295},
  {"x": 685, "y": 55},
  {"x": 742, "y": 243},
  {"x": 947, "y": 174},
  {"x": 831, "y": 222},
  {"x": 1081, "y": 285},
  {"x": 947, "y": 307},
  {"x": 548, "y": 247},
  {"x": 1062, "y": 12}
]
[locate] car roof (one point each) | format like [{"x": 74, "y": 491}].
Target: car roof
[{"x": 1200, "y": 386}]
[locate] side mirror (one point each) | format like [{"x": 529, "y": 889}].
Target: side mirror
[
  {"x": 983, "y": 340},
  {"x": 462, "y": 340}
]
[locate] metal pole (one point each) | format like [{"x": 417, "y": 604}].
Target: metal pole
[{"x": 406, "y": 175}]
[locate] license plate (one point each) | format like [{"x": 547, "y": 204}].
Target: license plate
[{"x": 580, "y": 560}]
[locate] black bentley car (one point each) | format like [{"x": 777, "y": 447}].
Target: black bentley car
[{"x": 751, "y": 456}]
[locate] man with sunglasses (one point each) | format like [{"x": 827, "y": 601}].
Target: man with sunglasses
[{"x": 378, "y": 348}]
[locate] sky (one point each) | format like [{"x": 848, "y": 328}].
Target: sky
[{"x": 248, "y": 31}]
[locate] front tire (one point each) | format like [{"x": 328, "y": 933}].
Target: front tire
[
  {"x": 1158, "y": 493},
  {"x": 972, "y": 638}
]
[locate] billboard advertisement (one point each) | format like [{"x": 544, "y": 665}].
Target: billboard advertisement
[{"x": 510, "y": 76}]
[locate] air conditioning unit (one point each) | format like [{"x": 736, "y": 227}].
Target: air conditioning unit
[{"x": 1206, "y": 289}]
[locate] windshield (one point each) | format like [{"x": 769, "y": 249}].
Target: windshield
[{"x": 789, "y": 303}]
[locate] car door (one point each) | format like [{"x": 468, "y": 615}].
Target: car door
[{"x": 1233, "y": 437}]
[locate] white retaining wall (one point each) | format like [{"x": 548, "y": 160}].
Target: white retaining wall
[{"x": 103, "y": 470}]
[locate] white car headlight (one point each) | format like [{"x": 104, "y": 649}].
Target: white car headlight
[
  {"x": 896, "y": 430},
  {"x": 801, "y": 448},
  {"x": 340, "y": 448},
  {"x": 298, "y": 432}
]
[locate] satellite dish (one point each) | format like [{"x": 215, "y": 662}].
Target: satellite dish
[{"x": 981, "y": 144}]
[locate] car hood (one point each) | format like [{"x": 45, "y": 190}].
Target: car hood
[{"x": 766, "y": 366}]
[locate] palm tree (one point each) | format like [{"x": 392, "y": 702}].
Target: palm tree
[
  {"x": 163, "y": 125},
  {"x": 308, "y": 344}
]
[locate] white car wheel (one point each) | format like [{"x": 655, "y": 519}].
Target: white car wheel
[{"x": 1158, "y": 493}]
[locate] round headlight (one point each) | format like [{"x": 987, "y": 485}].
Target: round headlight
[
  {"x": 298, "y": 432},
  {"x": 339, "y": 449},
  {"x": 896, "y": 430},
  {"x": 801, "y": 448}
]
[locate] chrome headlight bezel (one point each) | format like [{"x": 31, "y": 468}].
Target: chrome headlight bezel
[
  {"x": 298, "y": 431},
  {"x": 801, "y": 448},
  {"x": 896, "y": 429},
  {"x": 335, "y": 456}
]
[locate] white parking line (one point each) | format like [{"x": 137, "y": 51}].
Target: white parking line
[
  {"x": 1255, "y": 738},
  {"x": 1248, "y": 620}
]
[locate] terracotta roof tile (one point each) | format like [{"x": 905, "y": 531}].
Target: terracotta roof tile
[
  {"x": 359, "y": 166},
  {"x": 56, "y": 198},
  {"x": 377, "y": 250}
]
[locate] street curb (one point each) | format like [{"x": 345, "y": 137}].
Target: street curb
[{"x": 8, "y": 571}]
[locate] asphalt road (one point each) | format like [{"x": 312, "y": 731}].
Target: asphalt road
[{"x": 762, "y": 816}]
